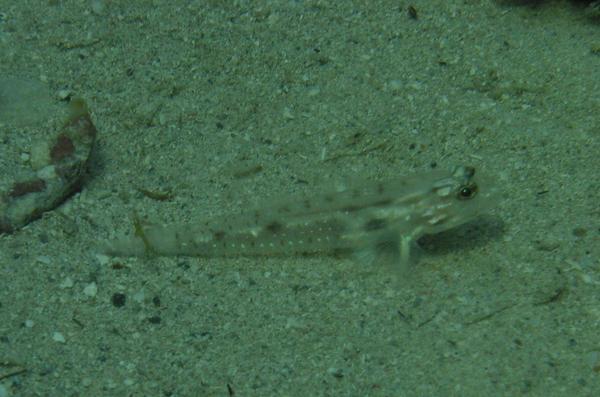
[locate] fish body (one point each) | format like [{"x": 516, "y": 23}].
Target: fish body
[{"x": 375, "y": 220}]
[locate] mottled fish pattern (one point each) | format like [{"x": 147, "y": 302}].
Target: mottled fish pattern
[{"x": 376, "y": 221}]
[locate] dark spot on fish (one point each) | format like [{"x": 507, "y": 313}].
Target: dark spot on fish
[
  {"x": 274, "y": 227},
  {"x": 382, "y": 203},
  {"x": 375, "y": 224},
  {"x": 352, "y": 208},
  {"x": 219, "y": 235}
]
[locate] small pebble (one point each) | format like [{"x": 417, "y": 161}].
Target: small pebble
[
  {"x": 118, "y": 299},
  {"x": 58, "y": 337},
  {"x": 139, "y": 296},
  {"x": 63, "y": 94},
  {"x": 90, "y": 290},
  {"x": 335, "y": 372},
  {"x": 44, "y": 259},
  {"x": 128, "y": 382},
  {"x": 66, "y": 283},
  {"x": 103, "y": 260},
  {"x": 98, "y": 6},
  {"x": 155, "y": 320}
]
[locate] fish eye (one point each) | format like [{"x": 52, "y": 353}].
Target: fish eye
[{"x": 467, "y": 192}]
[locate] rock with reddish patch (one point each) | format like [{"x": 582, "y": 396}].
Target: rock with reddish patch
[{"x": 56, "y": 178}]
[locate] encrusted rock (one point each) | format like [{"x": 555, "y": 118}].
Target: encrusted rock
[{"x": 57, "y": 168}]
